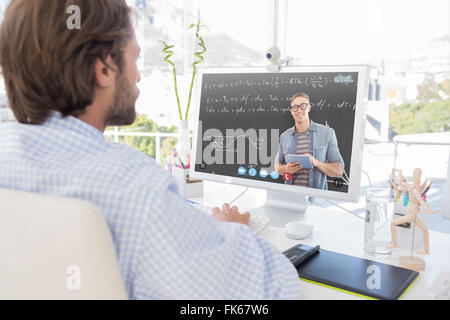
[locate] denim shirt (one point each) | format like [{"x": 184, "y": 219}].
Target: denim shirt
[{"x": 323, "y": 144}]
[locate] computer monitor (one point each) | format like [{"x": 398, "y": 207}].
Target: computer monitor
[{"x": 247, "y": 132}]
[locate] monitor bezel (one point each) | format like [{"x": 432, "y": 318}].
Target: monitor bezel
[{"x": 358, "y": 133}]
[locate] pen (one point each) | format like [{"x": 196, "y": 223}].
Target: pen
[
  {"x": 406, "y": 200},
  {"x": 427, "y": 188},
  {"x": 177, "y": 158},
  {"x": 192, "y": 202},
  {"x": 182, "y": 164},
  {"x": 175, "y": 161}
]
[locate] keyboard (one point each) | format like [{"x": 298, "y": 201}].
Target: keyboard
[
  {"x": 440, "y": 288},
  {"x": 257, "y": 222}
]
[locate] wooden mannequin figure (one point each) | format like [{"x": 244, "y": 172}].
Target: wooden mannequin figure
[{"x": 414, "y": 200}]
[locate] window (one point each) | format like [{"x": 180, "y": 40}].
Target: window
[{"x": 406, "y": 43}]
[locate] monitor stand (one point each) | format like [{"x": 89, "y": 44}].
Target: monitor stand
[{"x": 282, "y": 207}]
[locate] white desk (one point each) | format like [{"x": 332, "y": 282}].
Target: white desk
[{"x": 334, "y": 230}]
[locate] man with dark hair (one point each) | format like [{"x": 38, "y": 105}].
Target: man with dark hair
[
  {"x": 311, "y": 139},
  {"x": 65, "y": 86}
]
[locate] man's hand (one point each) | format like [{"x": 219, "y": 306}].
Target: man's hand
[
  {"x": 313, "y": 160},
  {"x": 230, "y": 215},
  {"x": 331, "y": 169},
  {"x": 291, "y": 168}
]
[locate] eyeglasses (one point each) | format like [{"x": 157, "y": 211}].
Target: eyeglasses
[{"x": 302, "y": 106}]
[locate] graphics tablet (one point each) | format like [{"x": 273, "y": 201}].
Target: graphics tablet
[{"x": 357, "y": 276}]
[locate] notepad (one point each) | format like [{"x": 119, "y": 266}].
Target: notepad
[{"x": 357, "y": 276}]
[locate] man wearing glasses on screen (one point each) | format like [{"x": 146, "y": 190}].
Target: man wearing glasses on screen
[{"x": 311, "y": 139}]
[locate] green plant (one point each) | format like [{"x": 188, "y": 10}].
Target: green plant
[
  {"x": 422, "y": 117},
  {"x": 199, "y": 54},
  {"x": 144, "y": 144}
]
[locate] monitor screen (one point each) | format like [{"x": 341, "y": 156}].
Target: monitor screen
[{"x": 298, "y": 130}]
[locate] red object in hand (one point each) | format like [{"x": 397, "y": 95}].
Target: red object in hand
[{"x": 287, "y": 176}]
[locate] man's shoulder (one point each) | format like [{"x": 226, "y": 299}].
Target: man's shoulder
[
  {"x": 131, "y": 173},
  {"x": 125, "y": 151},
  {"x": 288, "y": 132},
  {"x": 321, "y": 129},
  {"x": 319, "y": 126},
  {"x": 131, "y": 160}
]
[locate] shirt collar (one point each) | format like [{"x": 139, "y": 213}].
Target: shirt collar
[
  {"x": 312, "y": 127},
  {"x": 56, "y": 120}
]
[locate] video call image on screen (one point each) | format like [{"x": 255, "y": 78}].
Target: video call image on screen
[{"x": 242, "y": 117}]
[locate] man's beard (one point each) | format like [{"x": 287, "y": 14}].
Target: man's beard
[{"x": 122, "y": 112}]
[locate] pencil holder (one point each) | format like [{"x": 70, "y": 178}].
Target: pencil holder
[
  {"x": 409, "y": 236},
  {"x": 188, "y": 188}
]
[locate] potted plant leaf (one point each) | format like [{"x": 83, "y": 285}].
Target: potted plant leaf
[{"x": 183, "y": 131}]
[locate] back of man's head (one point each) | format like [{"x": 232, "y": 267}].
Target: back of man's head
[{"x": 48, "y": 63}]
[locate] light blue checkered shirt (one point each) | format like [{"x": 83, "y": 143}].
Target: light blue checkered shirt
[{"x": 166, "y": 248}]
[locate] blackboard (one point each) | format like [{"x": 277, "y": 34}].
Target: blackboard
[{"x": 261, "y": 101}]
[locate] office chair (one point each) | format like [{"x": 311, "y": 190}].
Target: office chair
[{"x": 55, "y": 248}]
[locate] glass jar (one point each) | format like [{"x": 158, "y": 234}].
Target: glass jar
[{"x": 377, "y": 230}]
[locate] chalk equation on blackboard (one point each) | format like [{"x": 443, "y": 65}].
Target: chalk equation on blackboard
[
  {"x": 218, "y": 142},
  {"x": 239, "y": 109},
  {"x": 246, "y": 98},
  {"x": 314, "y": 81}
]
